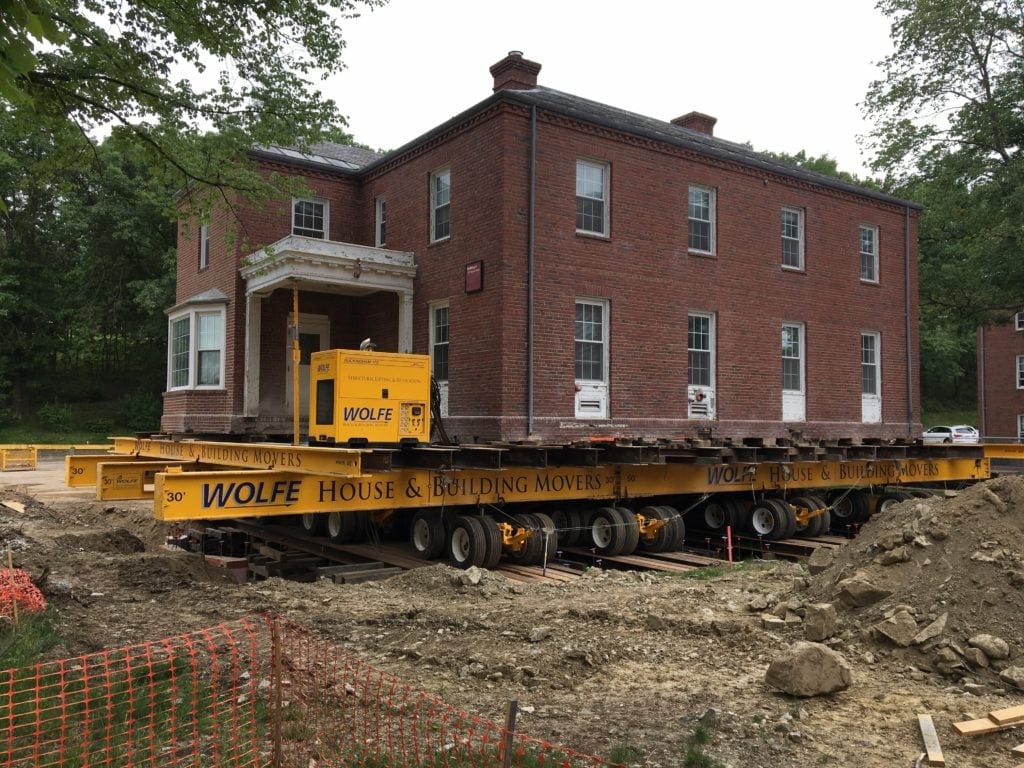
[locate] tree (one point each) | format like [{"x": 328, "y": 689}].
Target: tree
[
  {"x": 948, "y": 134},
  {"x": 823, "y": 164},
  {"x": 92, "y": 65}
]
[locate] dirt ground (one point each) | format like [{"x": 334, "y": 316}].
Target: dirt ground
[{"x": 614, "y": 658}]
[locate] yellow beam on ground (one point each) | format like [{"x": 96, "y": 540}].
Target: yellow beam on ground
[
  {"x": 59, "y": 446},
  {"x": 17, "y": 458},
  {"x": 1003, "y": 451},
  {"x": 128, "y": 480},
  {"x": 340, "y": 462},
  {"x": 80, "y": 470}
]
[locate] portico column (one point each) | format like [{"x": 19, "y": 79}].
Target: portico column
[
  {"x": 253, "y": 319},
  {"x": 405, "y": 321}
]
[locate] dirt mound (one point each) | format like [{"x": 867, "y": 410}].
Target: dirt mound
[
  {"x": 953, "y": 565},
  {"x": 118, "y": 540}
]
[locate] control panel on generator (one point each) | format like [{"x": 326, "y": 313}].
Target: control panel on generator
[{"x": 368, "y": 397}]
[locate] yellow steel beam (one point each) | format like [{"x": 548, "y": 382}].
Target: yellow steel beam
[
  {"x": 1007, "y": 451},
  {"x": 666, "y": 479},
  {"x": 59, "y": 446},
  {"x": 218, "y": 495},
  {"x": 341, "y": 462},
  {"x": 80, "y": 470},
  {"x": 128, "y": 479}
]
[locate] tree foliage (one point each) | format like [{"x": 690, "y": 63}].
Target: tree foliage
[
  {"x": 193, "y": 82},
  {"x": 948, "y": 134}
]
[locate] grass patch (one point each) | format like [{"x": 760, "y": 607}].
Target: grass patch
[
  {"x": 25, "y": 643},
  {"x": 944, "y": 415},
  {"x": 695, "y": 755},
  {"x": 624, "y": 754}
]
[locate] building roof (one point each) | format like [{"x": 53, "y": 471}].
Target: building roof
[{"x": 322, "y": 154}]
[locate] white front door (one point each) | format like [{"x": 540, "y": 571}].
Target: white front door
[
  {"x": 591, "y": 359},
  {"x": 700, "y": 391},
  {"x": 440, "y": 327},
  {"x": 314, "y": 336},
  {"x": 871, "y": 377},
  {"x": 794, "y": 400}
]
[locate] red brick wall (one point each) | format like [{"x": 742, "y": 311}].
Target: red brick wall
[
  {"x": 643, "y": 269},
  {"x": 999, "y": 400}
]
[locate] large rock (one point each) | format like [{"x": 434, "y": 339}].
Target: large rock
[
  {"x": 992, "y": 646},
  {"x": 934, "y": 629},
  {"x": 821, "y": 558},
  {"x": 1013, "y": 676},
  {"x": 819, "y": 621},
  {"x": 809, "y": 669},
  {"x": 857, "y": 591},
  {"x": 901, "y": 628}
]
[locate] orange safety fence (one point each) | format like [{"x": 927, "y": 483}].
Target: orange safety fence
[
  {"x": 18, "y": 594},
  {"x": 261, "y": 691}
]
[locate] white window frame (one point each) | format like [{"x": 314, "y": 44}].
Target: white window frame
[
  {"x": 326, "y": 216},
  {"x": 380, "y": 224},
  {"x": 192, "y": 315},
  {"x": 876, "y": 339},
  {"x": 606, "y": 209},
  {"x": 801, "y": 356},
  {"x": 1020, "y": 427},
  {"x": 436, "y": 307},
  {"x": 690, "y": 350},
  {"x": 871, "y": 256},
  {"x": 1019, "y": 321},
  {"x": 439, "y": 203},
  {"x": 710, "y": 221},
  {"x": 786, "y": 209},
  {"x": 204, "y": 246},
  {"x": 1020, "y": 371}
]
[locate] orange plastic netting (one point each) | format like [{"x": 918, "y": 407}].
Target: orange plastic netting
[{"x": 17, "y": 589}]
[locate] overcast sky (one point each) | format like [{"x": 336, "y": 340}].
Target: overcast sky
[{"x": 785, "y": 76}]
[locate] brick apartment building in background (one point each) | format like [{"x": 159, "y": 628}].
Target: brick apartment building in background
[
  {"x": 1001, "y": 380},
  {"x": 573, "y": 269}
]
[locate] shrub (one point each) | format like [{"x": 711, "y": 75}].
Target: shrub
[
  {"x": 141, "y": 412},
  {"x": 56, "y": 417}
]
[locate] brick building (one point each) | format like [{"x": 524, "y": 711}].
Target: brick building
[
  {"x": 1001, "y": 380},
  {"x": 573, "y": 269}
]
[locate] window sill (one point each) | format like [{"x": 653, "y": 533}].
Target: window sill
[
  {"x": 702, "y": 254},
  {"x": 795, "y": 270},
  {"x": 592, "y": 235},
  {"x": 869, "y": 282},
  {"x": 440, "y": 241}
]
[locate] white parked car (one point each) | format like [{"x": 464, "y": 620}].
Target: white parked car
[{"x": 958, "y": 433}]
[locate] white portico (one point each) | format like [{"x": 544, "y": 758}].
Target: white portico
[{"x": 324, "y": 267}]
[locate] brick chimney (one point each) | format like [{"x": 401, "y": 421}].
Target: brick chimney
[
  {"x": 697, "y": 121},
  {"x": 515, "y": 73}
]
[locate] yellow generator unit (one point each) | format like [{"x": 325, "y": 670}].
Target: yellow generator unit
[{"x": 368, "y": 397}]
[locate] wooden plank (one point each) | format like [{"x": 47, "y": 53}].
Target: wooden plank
[
  {"x": 977, "y": 727},
  {"x": 17, "y": 506},
  {"x": 1008, "y": 716},
  {"x": 1018, "y": 750},
  {"x": 931, "y": 740}
]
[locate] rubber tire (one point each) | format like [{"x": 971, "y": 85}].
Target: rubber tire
[
  {"x": 631, "y": 527},
  {"x": 313, "y": 524},
  {"x": 560, "y": 518},
  {"x": 362, "y": 524},
  {"x": 533, "y": 548},
  {"x": 493, "y": 535},
  {"x": 607, "y": 533},
  {"x": 467, "y": 543},
  {"x": 669, "y": 537},
  {"x": 426, "y": 534},
  {"x": 551, "y": 539},
  {"x": 788, "y": 517},
  {"x": 767, "y": 521},
  {"x": 890, "y": 499},
  {"x": 847, "y": 509},
  {"x": 802, "y": 501},
  {"x": 717, "y": 515},
  {"x": 819, "y": 524},
  {"x": 341, "y": 527}
]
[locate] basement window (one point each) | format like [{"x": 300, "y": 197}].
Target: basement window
[{"x": 195, "y": 349}]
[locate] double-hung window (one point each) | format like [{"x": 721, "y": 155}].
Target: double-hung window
[
  {"x": 700, "y": 349},
  {"x": 592, "y": 197},
  {"x": 1020, "y": 428},
  {"x": 309, "y": 218},
  {"x": 869, "y": 368},
  {"x": 204, "y": 246},
  {"x": 792, "y": 238},
  {"x": 1020, "y": 371},
  {"x": 381, "y": 225},
  {"x": 439, "y": 341},
  {"x": 1019, "y": 321},
  {"x": 868, "y": 253},
  {"x": 196, "y": 349},
  {"x": 701, "y": 226},
  {"x": 440, "y": 205}
]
